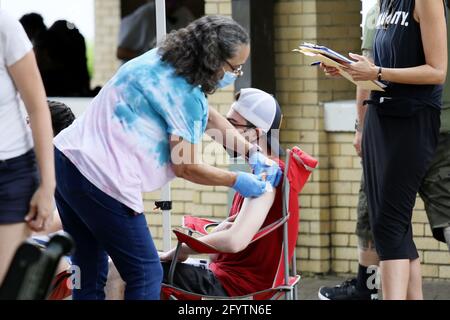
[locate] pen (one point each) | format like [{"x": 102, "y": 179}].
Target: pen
[{"x": 315, "y": 63}]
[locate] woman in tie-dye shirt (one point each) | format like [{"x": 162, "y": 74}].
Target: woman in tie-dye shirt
[{"x": 122, "y": 144}]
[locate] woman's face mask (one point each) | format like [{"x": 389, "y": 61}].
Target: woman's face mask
[{"x": 228, "y": 78}]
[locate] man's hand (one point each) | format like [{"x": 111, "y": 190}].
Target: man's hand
[
  {"x": 169, "y": 255},
  {"x": 357, "y": 142},
  {"x": 224, "y": 225}
]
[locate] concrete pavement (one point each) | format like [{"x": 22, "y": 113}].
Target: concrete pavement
[{"x": 308, "y": 287}]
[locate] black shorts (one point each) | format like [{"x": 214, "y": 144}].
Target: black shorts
[
  {"x": 19, "y": 179},
  {"x": 399, "y": 141},
  {"x": 194, "y": 279}
]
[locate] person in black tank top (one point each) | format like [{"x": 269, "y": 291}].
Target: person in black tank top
[{"x": 401, "y": 130}]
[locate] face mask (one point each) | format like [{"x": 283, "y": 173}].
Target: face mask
[{"x": 228, "y": 78}]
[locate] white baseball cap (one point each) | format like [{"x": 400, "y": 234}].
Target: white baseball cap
[
  {"x": 262, "y": 110},
  {"x": 259, "y": 108}
]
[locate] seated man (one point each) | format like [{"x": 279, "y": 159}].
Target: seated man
[{"x": 245, "y": 267}]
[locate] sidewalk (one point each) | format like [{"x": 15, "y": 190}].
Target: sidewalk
[{"x": 308, "y": 287}]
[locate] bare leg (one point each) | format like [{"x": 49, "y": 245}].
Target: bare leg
[
  {"x": 368, "y": 260},
  {"x": 415, "y": 281},
  {"x": 395, "y": 279},
  {"x": 11, "y": 236},
  {"x": 368, "y": 255}
]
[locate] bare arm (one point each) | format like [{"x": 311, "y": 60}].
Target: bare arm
[
  {"x": 220, "y": 129},
  {"x": 186, "y": 165},
  {"x": 250, "y": 219},
  {"x": 28, "y": 81},
  {"x": 237, "y": 237},
  {"x": 430, "y": 14},
  {"x": 361, "y": 95}
]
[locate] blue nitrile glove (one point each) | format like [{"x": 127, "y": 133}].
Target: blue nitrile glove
[
  {"x": 249, "y": 185},
  {"x": 261, "y": 164}
]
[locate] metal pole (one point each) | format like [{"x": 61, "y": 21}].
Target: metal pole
[
  {"x": 161, "y": 29},
  {"x": 161, "y": 32},
  {"x": 285, "y": 226},
  {"x": 294, "y": 272},
  {"x": 167, "y": 225}
]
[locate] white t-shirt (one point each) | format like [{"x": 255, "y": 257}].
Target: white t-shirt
[
  {"x": 15, "y": 134},
  {"x": 121, "y": 142}
]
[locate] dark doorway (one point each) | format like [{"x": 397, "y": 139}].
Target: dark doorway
[{"x": 197, "y": 7}]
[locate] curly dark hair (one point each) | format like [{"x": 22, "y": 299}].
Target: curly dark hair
[
  {"x": 199, "y": 51},
  {"x": 62, "y": 116}
]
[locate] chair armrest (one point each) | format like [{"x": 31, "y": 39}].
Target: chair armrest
[
  {"x": 199, "y": 225},
  {"x": 195, "y": 244}
]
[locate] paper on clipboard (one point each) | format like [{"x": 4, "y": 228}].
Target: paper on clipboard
[{"x": 368, "y": 85}]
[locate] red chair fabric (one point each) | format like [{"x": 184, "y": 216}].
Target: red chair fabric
[{"x": 60, "y": 288}]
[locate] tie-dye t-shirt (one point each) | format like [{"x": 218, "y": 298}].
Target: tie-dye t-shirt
[{"x": 121, "y": 142}]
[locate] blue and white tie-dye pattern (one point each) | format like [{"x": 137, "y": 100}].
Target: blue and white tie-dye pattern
[{"x": 121, "y": 143}]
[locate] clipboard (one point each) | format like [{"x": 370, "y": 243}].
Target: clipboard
[{"x": 334, "y": 59}]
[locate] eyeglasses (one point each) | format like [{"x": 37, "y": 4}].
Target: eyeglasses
[
  {"x": 234, "y": 123},
  {"x": 236, "y": 70}
]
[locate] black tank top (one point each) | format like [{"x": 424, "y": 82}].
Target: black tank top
[{"x": 398, "y": 44}]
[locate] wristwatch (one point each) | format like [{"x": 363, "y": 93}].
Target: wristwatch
[
  {"x": 380, "y": 74},
  {"x": 358, "y": 127}
]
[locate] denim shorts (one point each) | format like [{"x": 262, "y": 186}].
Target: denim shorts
[{"x": 19, "y": 179}]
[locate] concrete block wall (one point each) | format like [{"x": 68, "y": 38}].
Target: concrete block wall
[
  {"x": 345, "y": 174},
  {"x": 107, "y": 22},
  {"x": 301, "y": 90}
]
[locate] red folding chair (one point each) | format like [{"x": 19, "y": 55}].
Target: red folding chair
[{"x": 298, "y": 168}]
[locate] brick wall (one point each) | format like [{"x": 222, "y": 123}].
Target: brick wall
[
  {"x": 107, "y": 21},
  {"x": 301, "y": 89},
  {"x": 345, "y": 175}
]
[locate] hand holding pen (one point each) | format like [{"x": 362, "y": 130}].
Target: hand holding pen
[{"x": 329, "y": 71}]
